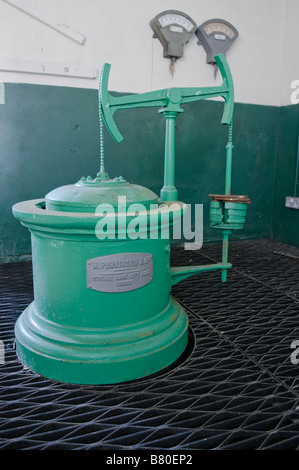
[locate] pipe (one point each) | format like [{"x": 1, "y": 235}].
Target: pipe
[{"x": 169, "y": 191}]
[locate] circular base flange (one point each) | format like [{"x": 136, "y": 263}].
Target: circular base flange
[{"x": 101, "y": 356}]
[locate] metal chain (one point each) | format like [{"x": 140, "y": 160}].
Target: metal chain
[
  {"x": 230, "y": 133},
  {"x": 102, "y": 162}
]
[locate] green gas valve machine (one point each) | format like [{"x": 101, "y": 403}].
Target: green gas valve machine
[{"x": 103, "y": 311}]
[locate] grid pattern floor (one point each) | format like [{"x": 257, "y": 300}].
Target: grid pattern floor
[{"x": 235, "y": 388}]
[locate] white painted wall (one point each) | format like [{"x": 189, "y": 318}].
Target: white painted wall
[
  {"x": 263, "y": 60},
  {"x": 289, "y": 65}
]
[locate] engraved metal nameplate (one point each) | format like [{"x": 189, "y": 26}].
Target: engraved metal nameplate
[{"x": 121, "y": 272}]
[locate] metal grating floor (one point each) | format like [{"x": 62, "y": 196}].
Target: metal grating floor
[{"x": 236, "y": 388}]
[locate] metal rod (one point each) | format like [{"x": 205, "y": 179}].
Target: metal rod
[
  {"x": 228, "y": 177},
  {"x": 224, "y": 254},
  {"x": 180, "y": 273},
  {"x": 169, "y": 191},
  {"x": 229, "y": 158}
]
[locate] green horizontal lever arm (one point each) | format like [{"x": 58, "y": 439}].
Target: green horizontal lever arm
[
  {"x": 182, "y": 272},
  {"x": 170, "y": 98}
]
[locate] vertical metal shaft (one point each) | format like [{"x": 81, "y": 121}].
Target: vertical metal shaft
[
  {"x": 229, "y": 158},
  {"x": 169, "y": 191},
  {"x": 224, "y": 254},
  {"x": 228, "y": 177}
]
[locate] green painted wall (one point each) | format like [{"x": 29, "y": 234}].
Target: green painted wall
[
  {"x": 285, "y": 220},
  {"x": 49, "y": 137}
]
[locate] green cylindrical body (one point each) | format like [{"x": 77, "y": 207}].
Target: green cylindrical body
[
  {"x": 102, "y": 309},
  {"x": 71, "y": 303}
]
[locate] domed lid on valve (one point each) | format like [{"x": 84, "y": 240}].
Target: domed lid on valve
[{"x": 89, "y": 193}]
